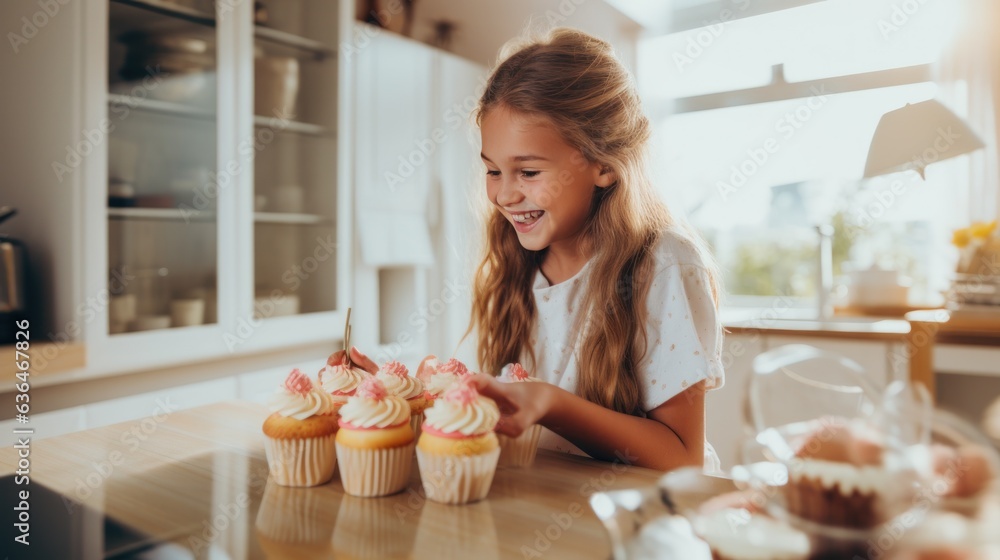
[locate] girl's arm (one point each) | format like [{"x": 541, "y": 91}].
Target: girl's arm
[{"x": 671, "y": 436}]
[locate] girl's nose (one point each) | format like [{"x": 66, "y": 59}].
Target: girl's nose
[{"x": 509, "y": 193}]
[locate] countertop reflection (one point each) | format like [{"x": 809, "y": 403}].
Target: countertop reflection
[{"x": 197, "y": 487}]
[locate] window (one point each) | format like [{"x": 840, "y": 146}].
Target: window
[{"x": 757, "y": 155}]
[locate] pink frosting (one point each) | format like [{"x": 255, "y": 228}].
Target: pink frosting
[
  {"x": 341, "y": 423},
  {"x": 448, "y": 435},
  {"x": 395, "y": 368},
  {"x": 518, "y": 372},
  {"x": 453, "y": 366},
  {"x": 298, "y": 382},
  {"x": 371, "y": 388},
  {"x": 463, "y": 393}
]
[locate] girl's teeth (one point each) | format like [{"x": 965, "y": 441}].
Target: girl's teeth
[{"x": 527, "y": 217}]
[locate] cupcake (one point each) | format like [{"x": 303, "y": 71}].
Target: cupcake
[
  {"x": 300, "y": 433},
  {"x": 518, "y": 451},
  {"x": 398, "y": 382},
  {"x": 341, "y": 380},
  {"x": 438, "y": 377},
  {"x": 375, "y": 441},
  {"x": 737, "y": 534},
  {"x": 430, "y": 366},
  {"x": 458, "y": 451},
  {"x": 843, "y": 476}
]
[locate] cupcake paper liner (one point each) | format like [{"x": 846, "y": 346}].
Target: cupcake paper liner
[
  {"x": 451, "y": 479},
  {"x": 519, "y": 451},
  {"x": 301, "y": 462},
  {"x": 375, "y": 472},
  {"x": 416, "y": 420}
]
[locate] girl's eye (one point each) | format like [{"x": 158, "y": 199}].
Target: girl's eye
[
  {"x": 529, "y": 174},
  {"x": 492, "y": 173}
]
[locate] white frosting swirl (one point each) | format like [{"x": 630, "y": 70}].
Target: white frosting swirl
[
  {"x": 301, "y": 406},
  {"x": 508, "y": 375},
  {"x": 478, "y": 417},
  {"x": 341, "y": 379},
  {"x": 441, "y": 382},
  {"x": 363, "y": 412},
  {"x": 403, "y": 387},
  {"x": 736, "y": 533}
]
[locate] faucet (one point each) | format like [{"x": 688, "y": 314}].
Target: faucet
[{"x": 824, "y": 273}]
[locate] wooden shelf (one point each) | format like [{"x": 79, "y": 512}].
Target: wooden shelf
[
  {"x": 170, "y": 9},
  {"x": 296, "y": 127},
  {"x": 165, "y": 214},
  {"x": 289, "y": 218},
  {"x": 283, "y": 38},
  {"x": 165, "y": 107},
  {"x": 44, "y": 357}
]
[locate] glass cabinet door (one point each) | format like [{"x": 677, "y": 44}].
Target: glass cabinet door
[
  {"x": 161, "y": 206},
  {"x": 295, "y": 157}
]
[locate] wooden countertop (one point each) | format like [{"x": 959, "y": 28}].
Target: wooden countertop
[
  {"x": 199, "y": 477},
  {"x": 875, "y": 329}
]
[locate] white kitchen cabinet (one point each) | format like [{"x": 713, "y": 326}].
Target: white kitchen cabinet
[
  {"x": 415, "y": 168},
  {"x": 175, "y": 181}
]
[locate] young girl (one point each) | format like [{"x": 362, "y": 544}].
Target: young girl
[{"x": 587, "y": 279}]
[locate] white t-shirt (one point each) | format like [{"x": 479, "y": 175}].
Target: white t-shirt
[{"x": 684, "y": 335}]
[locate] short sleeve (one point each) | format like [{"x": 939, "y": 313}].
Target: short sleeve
[{"x": 684, "y": 335}]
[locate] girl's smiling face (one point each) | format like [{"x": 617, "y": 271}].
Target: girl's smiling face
[{"x": 541, "y": 184}]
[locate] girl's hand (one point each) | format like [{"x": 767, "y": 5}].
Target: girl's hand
[
  {"x": 521, "y": 404},
  {"x": 357, "y": 358}
]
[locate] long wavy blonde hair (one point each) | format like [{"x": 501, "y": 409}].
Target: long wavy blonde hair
[{"x": 574, "y": 82}]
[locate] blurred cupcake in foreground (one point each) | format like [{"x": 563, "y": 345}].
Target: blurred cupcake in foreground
[
  {"x": 737, "y": 534},
  {"x": 300, "y": 433},
  {"x": 398, "y": 382},
  {"x": 519, "y": 451},
  {"x": 341, "y": 381},
  {"x": 843, "y": 476},
  {"x": 458, "y": 451},
  {"x": 375, "y": 441}
]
